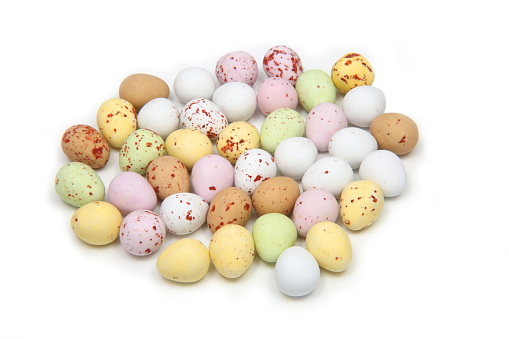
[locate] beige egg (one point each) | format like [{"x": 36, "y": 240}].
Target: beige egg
[
  {"x": 140, "y": 88},
  {"x": 85, "y": 144},
  {"x": 167, "y": 175},
  {"x": 97, "y": 223},
  {"x": 230, "y": 205},
  {"x": 350, "y": 71},
  {"x": 116, "y": 119},
  {"x": 188, "y": 145},
  {"x": 276, "y": 195},
  {"x": 237, "y": 138},
  {"x": 330, "y": 245},
  {"x": 360, "y": 204},
  {"x": 232, "y": 250},
  {"x": 395, "y": 132}
]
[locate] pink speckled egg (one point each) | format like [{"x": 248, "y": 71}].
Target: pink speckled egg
[
  {"x": 282, "y": 62},
  {"x": 184, "y": 213},
  {"x": 204, "y": 116},
  {"x": 274, "y": 93},
  {"x": 252, "y": 168},
  {"x": 130, "y": 191},
  {"x": 237, "y": 66},
  {"x": 142, "y": 232},
  {"x": 323, "y": 121},
  {"x": 211, "y": 174},
  {"x": 312, "y": 207}
]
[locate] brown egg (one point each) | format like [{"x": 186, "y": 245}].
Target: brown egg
[
  {"x": 276, "y": 195},
  {"x": 168, "y": 175},
  {"x": 395, "y": 132},
  {"x": 140, "y": 88},
  {"x": 230, "y": 205},
  {"x": 85, "y": 144}
]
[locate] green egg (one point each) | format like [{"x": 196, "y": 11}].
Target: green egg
[
  {"x": 139, "y": 149},
  {"x": 273, "y": 233},
  {"x": 315, "y": 87},
  {"x": 279, "y": 125},
  {"x": 78, "y": 184}
]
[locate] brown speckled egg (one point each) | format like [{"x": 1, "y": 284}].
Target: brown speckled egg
[
  {"x": 167, "y": 175},
  {"x": 276, "y": 195},
  {"x": 85, "y": 144},
  {"x": 231, "y": 205},
  {"x": 395, "y": 132},
  {"x": 140, "y": 88}
]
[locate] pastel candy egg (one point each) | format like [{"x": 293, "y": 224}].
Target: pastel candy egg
[
  {"x": 330, "y": 173},
  {"x": 96, "y": 223},
  {"x": 232, "y": 250},
  {"x": 352, "y": 144},
  {"x": 386, "y": 169},
  {"x": 193, "y": 83},
  {"x": 139, "y": 149},
  {"x": 237, "y": 138},
  {"x": 140, "y": 88},
  {"x": 330, "y": 245},
  {"x": 276, "y": 195},
  {"x": 279, "y": 125},
  {"x": 322, "y": 122},
  {"x": 83, "y": 143},
  {"x": 167, "y": 175},
  {"x": 315, "y": 87},
  {"x": 204, "y": 116},
  {"x": 129, "y": 191},
  {"x": 78, "y": 184},
  {"x": 252, "y": 168},
  {"x": 159, "y": 115},
  {"x": 294, "y": 156},
  {"x": 274, "y": 93},
  {"x": 361, "y": 203},
  {"x": 237, "y": 66},
  {"x": 231, "y": 205},
  {"x": 395, "y": 132},
  {"x": 116, "y": 119},
  {"x": 273, "y": 233},
  {"x": 352, "y": 70},
  {"x": 210, "y": 175},
  {"x": 142, "y": 232},
  {"x": 186, "y": 260},
  {"x": 188, "y": 146},
  {"x": 236, "y": 100},
  {"x": 363, "y": 104},
  {"x": 282, "y": 62},
  {"x": 183, "y": 213},
  {"x": 312, "y": 207},
  {"x": 297, "y": 272}
]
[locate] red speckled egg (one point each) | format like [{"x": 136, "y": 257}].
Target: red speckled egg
[
  {"x": 282, "y": 62},
  {"x": 85, "y": 144}
]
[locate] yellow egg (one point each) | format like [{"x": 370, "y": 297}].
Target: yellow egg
[
  {"x": 188, "y": 145},
  {"x": 360, "y": 204},
  {"x": 330, "y": 245},
  {"x": 186, "y": 260},
  {"x": 232, "y": 250},
  {"x": 97, "y": 223},
  {"x": 116, "y": 119},
  {"x": 350, "y": 71},
  {"x": 237, "y": 138}
]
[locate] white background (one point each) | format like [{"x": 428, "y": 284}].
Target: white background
[{"x": 433, "y": 266}]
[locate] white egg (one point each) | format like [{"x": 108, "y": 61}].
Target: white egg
[
  {"x": 236, "y": 100},
  {"x": 183, "y": 213},
  {"x": 352, "y": 144},
  {"x": 362, "y": 104},
  {"x": 386, "y": 169},
  {"x": 204, "y": 116},
  {"x": 331, "y": 174},
  {"x": 193, "y": 83},
  {"x": 159, "y": 115},
  {"x": 297, "y": 272},
  {"x": 252, "y": 168},
  {"x": 294, "y": 156}
]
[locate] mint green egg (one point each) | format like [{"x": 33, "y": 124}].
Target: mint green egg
[
  {"x": 78, "y": 184},
  {"x": 315, "y": 87},
  {"x": 273, "y": 233},
  {"x": 281, "y": 124},
  {"x": 139, "y": 149}
]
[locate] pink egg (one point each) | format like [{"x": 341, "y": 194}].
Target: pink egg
[
  {"x": 237, "y": 66},
  {"x": 323, "y": 121},
  {"x": 211, "y": 174},
  {"x": 129, "y": 191},
  {"x": 282, "y": 62},
  {"x": 312, "y": 207},
  {"x": 275, "y": 93},
  {"x": 142, "y": 232}
]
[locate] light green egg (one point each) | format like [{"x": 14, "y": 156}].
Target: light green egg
[
  {"x": 273, "y": 233},
  {"x": 279, "y": 125},
  {"x": 78, "y": 184},
  {"x": 139, "y": 149},
  {"x": 315, "y": 87}
]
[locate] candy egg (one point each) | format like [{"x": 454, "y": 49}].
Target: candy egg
[
  {"x": 361, "y": 203},
  {"x": 294, "y": 156},
  {"x": 297, "y": 272},
  {"x": 160, "y": 115},
  {"x": 276, "y": 195},
  {"x": 83, "y": 143},
  {"x": 275, "y": 93},
  {"x": 97, "y": 223},
  {"x": 183, "y": 213},
  {"x": 282, "y": 62},
  {"x": 204, "y": 116},
  {"x": 330, "y": 245},
  {"x": 236, "y": 100},
  {"x": 229, "y": 206},
  {"x": 351, "y": 70},
  {"x": 395, "y": 132},
  {"x": 386, "y": 169},
  {"x": 363, "y": 104},
  {"x": 237, "y": 138},
  {"x": 352, "y": 144},
  {"x": 142, "y": 232},
  {"x": 281, "y": 124},
  {"x": 237, "y": 66},
  {"x": 188, "y": 146},
  {"x": 322, "y": 122},
  {"x": 193, "y": 83},
  {"x": 210, "y": 175},
  {"x": 139, "y": 149},
  {"x": 167, "y": 175},
  {"x": 252, "y": 168},
  {"x": 78, "y": 184},
  {"x": 330, "y": 173},
  {"x": 273, "y": 233},
  {"x": 140, "y": 88},
  {"x": 315, "y": 87},
  {"x": 312, "y": 207},
  {"x": 129, "y": 191},
  {"x": 116, "y": 119}
]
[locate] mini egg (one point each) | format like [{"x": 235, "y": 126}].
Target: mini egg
[
  {"x": 314, "y": 206},
  {"x": 294, "y": 156},
  {"x": 386, "y": 169},
  {"x": 193, "y": 83},
  {"x": 330, "y": 245},
  {"x": 160, "y": 115},
  {"x": 363, "y": 104},
  {"x": 139, "y": 149},
  {"x": 183, "y": 213},
  {"x": 129, "y": 191},
  {"x": 315, "y": 87},
  {"x": 140, "y": 88},
  {"x": 78, "y": 184},
  {"x": 236, "y": 100},
  {"x": 142, "y": 232},
  {"x": 322, "y": 122},
  {"x": 252, "y": 168},
  {"x": 210, "y": 175},
  {"x": 237, "y": 66},
  {"x": 231, "y": 205},
  {"x": 276, "y": 195},
  {"x": 395, "y": 132},
  {"x": 96, "y": 223},
  {"x": 167, "y": 175},
  {"x": 116, "y": 119},
  {"x": 83, "y": 143},
  {"x": 273, "y": 233},
  {"x": 352, "y": 144},
  {"x": 188, "y": 146},
  {"x": 352, "y": 70},
  {"x": 329, "y": 173},
  {"x": 237, "y": 138},
  {"x": 282, "y": 62},
  {"x": 279, "y": 125},
  {"x": 204, "y": 116},
  {"x": 275, "y": 93},
  {"x": 361, "y": 203},
  {"x": 297, "y": 272}
]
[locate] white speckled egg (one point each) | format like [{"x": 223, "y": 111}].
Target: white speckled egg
[
  {"x": 193, "y": 83},
  {"x": 362, "y": 104},
  {"x": 237, "y": 66},
  {"x": 142, "y": 232},
  {"x": 297, "y": 272},
  {"x": 160, "y": 115},
  {"x": 282, "y": 62},
  {"x": 236, "y": 100},
  {"x": 294, "y": 156},
  {"x": 204, "y": 116},
  {"x": 352, "y": 144},
  {"x": 330, "y": 173},
  {"x": 252, "y": 168},
  {"x": 184, "y": 213},
  {"x": 386, "y": 169}
]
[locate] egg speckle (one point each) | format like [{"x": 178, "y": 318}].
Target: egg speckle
[
  {"x": 361, "y": 203},
  {"x": 142, "y": 232}
]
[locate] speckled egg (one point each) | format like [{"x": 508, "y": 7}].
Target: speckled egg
[
  {"x": 322, "y": 122},
  {"x": 232, "y": 250},
  {"x": 193, "y": 83},
  {"x": 129, "y": 191},
  {"x": 210, "y": 175},
  {"x": 315, "y": 87},
  {"x": 279, "y": 125},
  {"x": 237, "y": 66},
  {"x": 275, "y": 93},
  {"x": 204, "y": 116},
  {"x": 273, "y": 233},
  {"x": 294, "y": 156},
  {"x": 183, "y": 213},
  {"x": 330, "y": 173},
  {"x": 297, "y": 272},
  {"x": 282, "y": 62},
  {"x": 276, "y": 195},
  {"x": 167, "y": 175},
  {"x": 78, "y": 184},
  {"x": 237, "y": 138},
  {"x": 361, "y": 203},
  {"x": 229, "y": 206},
  {"x": 139, "y": 149},
  {"x": 140, "y": 88},
  {"x": 363, "y": 104},
  {"x": 116, "y": 119},
  {"x": 330, "y": 245},
  {"x": 160, "y": 115},
  {"x": 312, "y": 207},
  {"x": 188, "y": 146},
  {"x": 83, "y": 143},
  {"x": 395, "y": 132},
  {"x": 142, "y": 232},
  {"x": 350, "y": 71},
  {"x": 352, "y": 144},
  {"x": 236, "y": 100},
  {"x": 386, "y": 169},
  {"x": 96, "y": 223},
  {"x": 186, "y": 260},
  {"x": 252, "y": 168}
]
